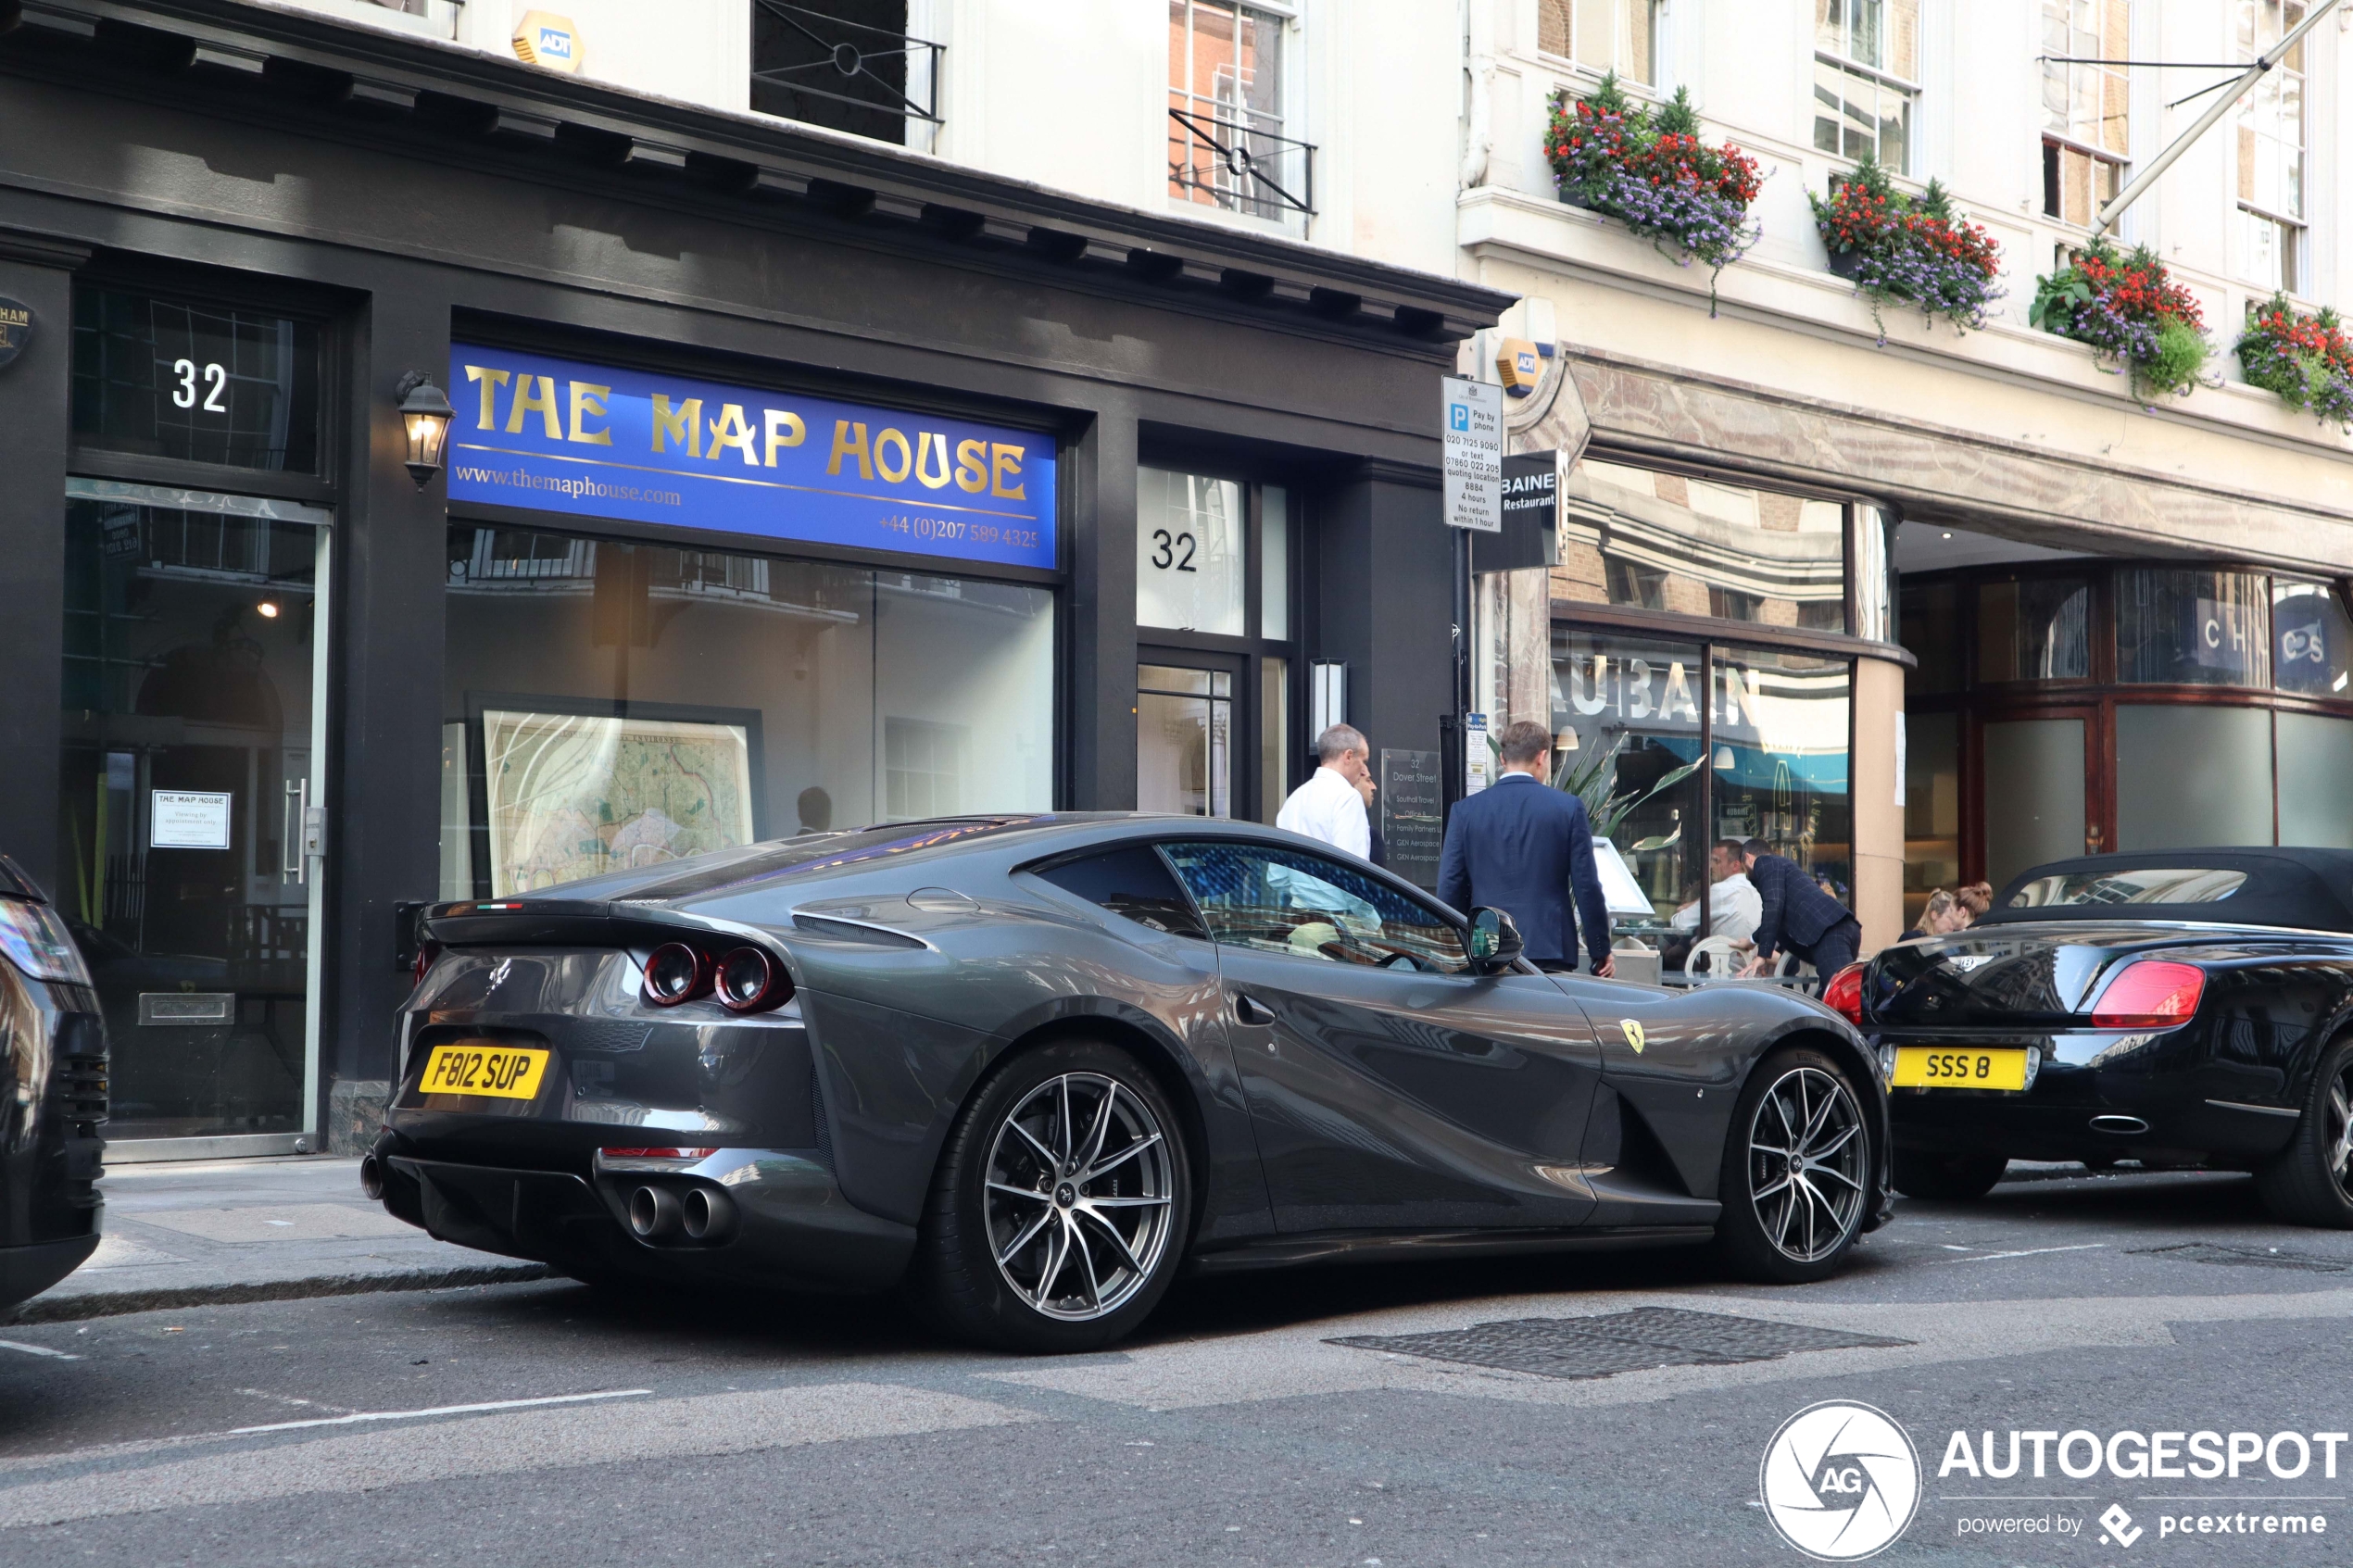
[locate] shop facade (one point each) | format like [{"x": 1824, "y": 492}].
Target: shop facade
[{"x": 790, "y": 483}]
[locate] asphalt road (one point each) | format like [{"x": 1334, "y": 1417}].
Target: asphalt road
[{"x": 753, "y": 1429}]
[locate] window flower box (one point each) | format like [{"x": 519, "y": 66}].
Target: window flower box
[
  {"x": 1649, "y": 170},
  {"x": 2307, "y": 360},
  {"x": 1921, "y": 252},
  {"x": 2132, "y": 313}
]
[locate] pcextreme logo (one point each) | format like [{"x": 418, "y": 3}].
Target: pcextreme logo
[{"x": 1840, "y": 1481}]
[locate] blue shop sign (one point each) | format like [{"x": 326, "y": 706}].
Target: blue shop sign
[{"x": 596, "y": 441}]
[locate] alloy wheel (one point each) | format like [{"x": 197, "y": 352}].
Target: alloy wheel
[
  {"x": 1078, "y": 1198},
  {"x": 2340, "y": 1130},
  {"x": 1806, "y": 1164}
]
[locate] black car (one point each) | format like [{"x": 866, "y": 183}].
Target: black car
[
  {"x": 2177, "y": 1007},
  {"x": 1035, "y": 1065},
  {"x": 53, "y": 1095}
]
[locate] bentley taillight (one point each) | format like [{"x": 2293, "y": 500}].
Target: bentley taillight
[
  {"x": 2150, "y": 994},
  {"x": 1843, "y": 994}
]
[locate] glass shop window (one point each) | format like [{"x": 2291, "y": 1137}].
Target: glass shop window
[
  {"x": 1663, "y": 541},
  {"x": 609, "y": 705},
  {"x": 1626, "y": 736},
  {"x": 194, "y": 381},
  {"x": 2311, "y": 639},
  {"x": 2193, "y": 628},
  {"x": 1779, "y": 758},
  {"x": 2034, "y": 631}
]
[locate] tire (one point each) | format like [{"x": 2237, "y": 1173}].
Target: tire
[
  {"x": 2310, "y": 1183},
  {"x": 1785, "y": 1226},
  {"x": 1947, "y": 1178},
  {"x": 1020, "y": 1249}
]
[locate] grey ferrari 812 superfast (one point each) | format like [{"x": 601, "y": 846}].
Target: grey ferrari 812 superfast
[{"x": 1032, "y": 1067}]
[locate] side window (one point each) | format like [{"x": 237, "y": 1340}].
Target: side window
[
  {"x": 1132, "y": 881},
  {"x": 1282, "y": 901}
]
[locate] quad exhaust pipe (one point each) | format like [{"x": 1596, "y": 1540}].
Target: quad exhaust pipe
[
  {"x": 702, "y": 1214},
  {"x": 2121, "y": 1124},
  {"x": 371, "y": 1177}
]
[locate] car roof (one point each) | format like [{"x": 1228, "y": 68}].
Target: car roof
[
  {"x": 1035, "y": 836},
  {"x": 2310, "y": 889}
]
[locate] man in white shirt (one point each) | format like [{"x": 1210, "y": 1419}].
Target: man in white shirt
[
  {"x": 1732, "y": 898},
  {"x": 1329, "y": 806}
]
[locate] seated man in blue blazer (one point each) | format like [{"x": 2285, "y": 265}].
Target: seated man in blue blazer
[
  {"x": 1798, "y": 915},
  {"x": 1526, "y": 849}
]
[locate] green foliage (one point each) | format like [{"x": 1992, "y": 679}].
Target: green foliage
[
  {"x": 1677, "y": 118},
  {"x": 1593, "y": 778},
  {"x": 2181, "y": 353}
]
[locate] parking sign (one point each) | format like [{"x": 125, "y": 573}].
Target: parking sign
[{"x": 1473, "y": 432}]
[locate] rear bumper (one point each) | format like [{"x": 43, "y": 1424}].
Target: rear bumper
[
  {"x": 26, "y": 1272},
  {"x": 794, "y": 1228},
  {"x": 2089, "y": 1112}
]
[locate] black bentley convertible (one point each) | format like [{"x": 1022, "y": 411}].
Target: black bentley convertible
[
  {"x": 1032, "y": 1066},
  {"x": 2181, "y": 1007}
]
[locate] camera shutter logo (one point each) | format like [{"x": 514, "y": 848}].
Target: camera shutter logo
[{"x": 1840, "y": 1481}]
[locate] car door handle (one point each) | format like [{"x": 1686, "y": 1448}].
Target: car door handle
[{"x": 1252, "y": 1011}]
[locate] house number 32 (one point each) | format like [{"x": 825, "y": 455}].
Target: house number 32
[
  {"x": 1167, "y": 555},
  {"x": 215, "y": 381}
]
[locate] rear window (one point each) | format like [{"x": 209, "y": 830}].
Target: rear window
[
  {"x": 2185, "y": 884},
  {"x": 1131, "y": 880}
]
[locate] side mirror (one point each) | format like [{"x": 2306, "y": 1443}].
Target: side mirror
[{"x": 1494, "y": 939}]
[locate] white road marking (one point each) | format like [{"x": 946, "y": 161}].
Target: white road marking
[
  {"x": 2030, "y": 1253},
  {"x": 504, "y": 1443},
  {"x": 358, "y": 1416},
  {"x": 36, "y": 1351}
]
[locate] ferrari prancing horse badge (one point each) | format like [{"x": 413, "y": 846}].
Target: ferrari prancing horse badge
[{"x": 1633, "y": 1032}]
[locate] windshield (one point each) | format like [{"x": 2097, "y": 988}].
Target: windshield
[
  {"x": 804, "y": 856},
  {"x": 2185, "y": 884}
]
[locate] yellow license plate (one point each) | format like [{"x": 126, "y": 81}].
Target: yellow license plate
[
  {"x": 500, "y": 1072},
  {"x": 1942, "y": 1067}
]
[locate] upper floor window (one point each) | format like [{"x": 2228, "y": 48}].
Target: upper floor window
[
  {"x": 2268, "y": 163},
  {"x": 1619, "y": 35},
  {"x": 1866, "y": 60},
  {"x": 1227, "y": 141},
  {"x": 848, "y": 65},
  {"x": 2086, "y": 118}
]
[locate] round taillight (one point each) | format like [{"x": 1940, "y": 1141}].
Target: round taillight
[
  {"x": 750, "y": 981},
  {"x": 1843, "y": 994},
  {"x": 2150, "y": 994},
  {"x": 675, "y": 973}
]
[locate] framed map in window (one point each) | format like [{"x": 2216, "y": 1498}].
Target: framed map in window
[{"x": 573, "y": 794}]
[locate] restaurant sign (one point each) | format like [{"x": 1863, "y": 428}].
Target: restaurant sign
[{"x": 599, "y": 441}]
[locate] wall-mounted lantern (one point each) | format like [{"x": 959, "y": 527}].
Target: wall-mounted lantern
[{"x": 426, "y": 414}]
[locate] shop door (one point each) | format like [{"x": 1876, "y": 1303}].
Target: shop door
[
  {"x": 191, "y": 808},
  {"x": 1188, "y": 719},
  {"x": 2034, "y": 797}
]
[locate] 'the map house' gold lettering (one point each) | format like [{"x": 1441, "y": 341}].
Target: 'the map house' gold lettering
[
  {"x": 980, "y": 466},
  {"x": 684, "y": 425},
  {"x": 589, "y": 402}
]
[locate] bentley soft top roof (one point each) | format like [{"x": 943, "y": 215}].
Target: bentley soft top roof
[{"x": 2309, "y": 889}]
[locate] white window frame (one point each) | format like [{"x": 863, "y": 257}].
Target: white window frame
[
  {"x": 1290, "y": 122},
  {"x": 1909, "y": 90},
  {"x": 2294, "y": 272},
  {"x": 1654, "y": 84}
]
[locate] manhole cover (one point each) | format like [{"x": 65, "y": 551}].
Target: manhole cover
[
  {"x": 2246, "y": 1256},
  {"x": 1633, "y": 1341}
]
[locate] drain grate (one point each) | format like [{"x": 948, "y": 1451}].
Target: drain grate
[
  {"x": 1631, "y": 1341},
  {"x": 2245, "y": 1257}
]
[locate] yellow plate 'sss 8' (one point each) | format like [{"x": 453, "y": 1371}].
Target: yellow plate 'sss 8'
[
  {"x": 1943, "y": 1067},
  {"x": 500, "y": 1072}
]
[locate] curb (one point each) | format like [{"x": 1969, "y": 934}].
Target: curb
[{"x": 115, "y": 1303}]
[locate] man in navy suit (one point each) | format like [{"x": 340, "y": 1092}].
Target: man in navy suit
[
  {"x": 1526, "y": 849},
  {"x": 1797, "y": 914}
]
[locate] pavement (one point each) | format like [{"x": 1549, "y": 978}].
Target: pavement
[
  {"x": 211, "y": 1232},
  {"x": 1500, "y": 1412}
]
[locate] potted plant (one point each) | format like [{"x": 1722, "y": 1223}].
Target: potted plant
[
  {"x": 2132, "y": 313},
  {"x": 1652, "y": 171},
  {"x": 2306, "y": 360},
  {"x": 1893, "y": 247}
]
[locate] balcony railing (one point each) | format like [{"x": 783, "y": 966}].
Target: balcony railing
[
  {"x": 832, "y": 70},
  {"x": 1239, "y": 168}
]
